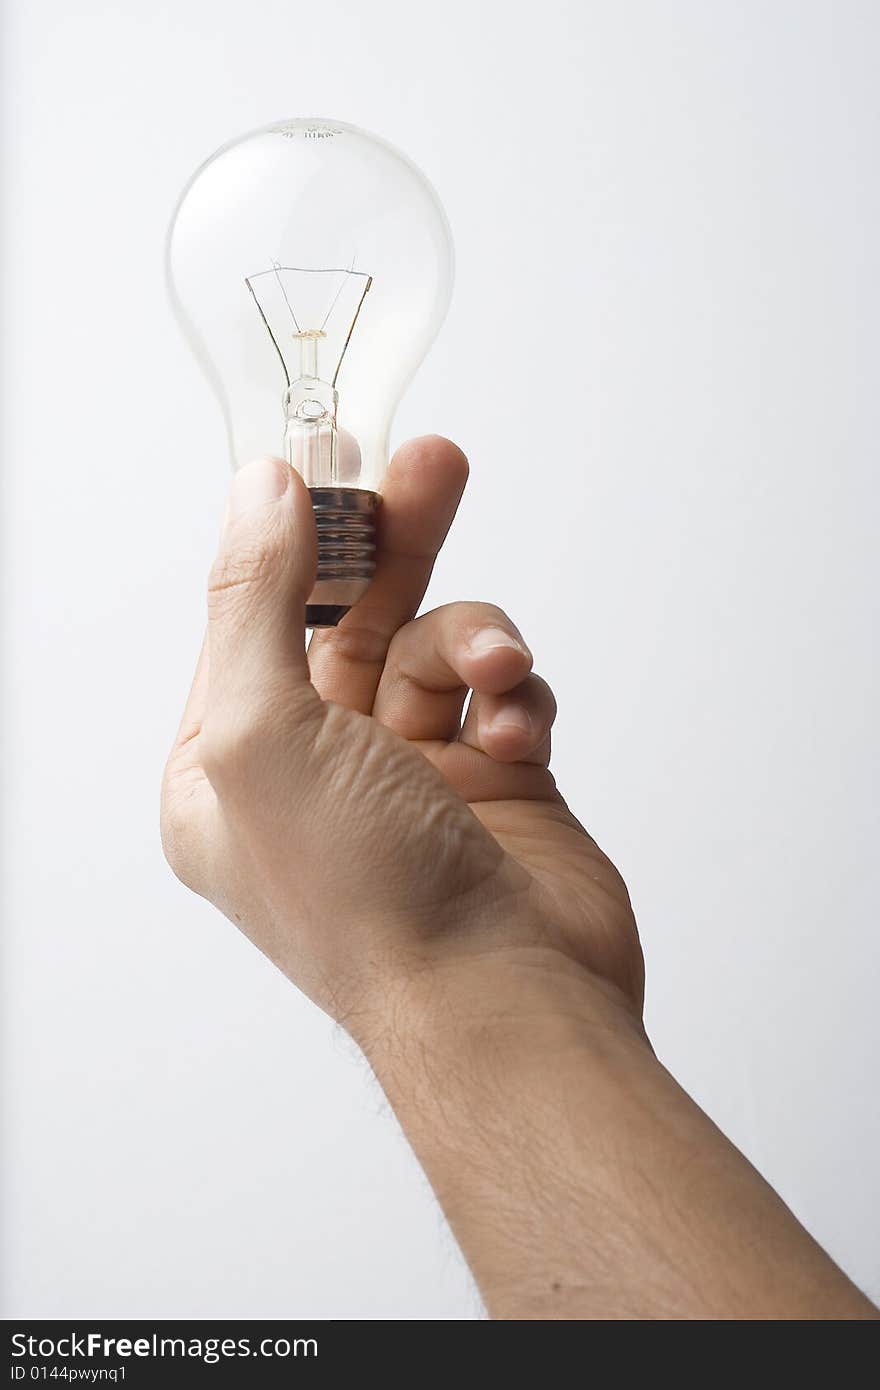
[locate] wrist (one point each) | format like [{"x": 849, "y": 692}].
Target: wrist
[
  {"x": 494, "y": 1004},
  {"x": 488, "y": 1062}
]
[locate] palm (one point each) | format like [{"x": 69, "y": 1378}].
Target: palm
[{"x": 586, "y": 902}]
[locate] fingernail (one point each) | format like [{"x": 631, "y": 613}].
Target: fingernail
[
  {"x": 489, "y": 639},
  {"x": 256, "y": 485},
  {"x": 511, "y": 717}
]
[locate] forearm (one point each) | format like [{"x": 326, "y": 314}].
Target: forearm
[{"x": 579, "y": 1179}]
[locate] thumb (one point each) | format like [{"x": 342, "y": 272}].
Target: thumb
[{"x": 259, "y": 583}]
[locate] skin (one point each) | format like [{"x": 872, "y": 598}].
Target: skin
[{"x": 421, "y": 879}]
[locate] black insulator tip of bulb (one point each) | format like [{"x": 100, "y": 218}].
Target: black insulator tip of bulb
[{"x": 325, "y": 614}]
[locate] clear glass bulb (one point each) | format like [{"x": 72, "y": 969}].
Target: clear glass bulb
[{"x": 310, "y": 266}]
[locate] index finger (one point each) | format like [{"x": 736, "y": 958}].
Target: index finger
[{"x": 420, "y": 497}]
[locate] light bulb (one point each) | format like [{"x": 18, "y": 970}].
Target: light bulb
[{"x": 310, "y": 266}]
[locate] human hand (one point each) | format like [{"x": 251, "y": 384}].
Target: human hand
[
  {"x": 333, "y": 805},
  {"x": 423, "y": 881}
]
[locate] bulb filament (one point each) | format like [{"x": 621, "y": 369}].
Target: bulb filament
[{"x": 311, "y": 355}]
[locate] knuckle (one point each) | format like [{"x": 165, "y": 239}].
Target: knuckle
[
  {"x": 241, "y": 750},
  {"x": 230, "y": 748},
  {"x": 413, "y": 637},
  {"x": 362, "y": 643},
  {"x": 545, "y": 697}
]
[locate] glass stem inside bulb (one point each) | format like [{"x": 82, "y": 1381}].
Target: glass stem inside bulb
[
  {"x": 308, "y": 354},
  {"x": 310, "y": 413}
]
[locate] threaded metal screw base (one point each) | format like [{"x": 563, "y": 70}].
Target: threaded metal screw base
[
  {"x": 345, "y": 518},
  {"x": 346, "y": 522}
]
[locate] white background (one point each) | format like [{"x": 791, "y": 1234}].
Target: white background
[{"x": 662, "y": 359}]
